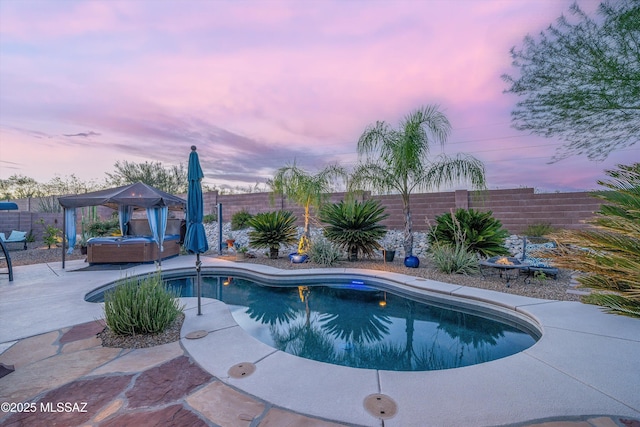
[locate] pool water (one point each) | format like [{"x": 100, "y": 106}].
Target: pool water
[{"x": 361, "y": 326}]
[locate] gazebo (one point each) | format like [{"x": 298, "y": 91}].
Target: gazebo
[{"x": 124, "y": 199}]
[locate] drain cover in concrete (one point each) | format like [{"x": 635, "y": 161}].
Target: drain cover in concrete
[
  {"x": 196, "y": 335},
  {"x": 380, "y": 405},
  {"x": 242, "y": 370}
]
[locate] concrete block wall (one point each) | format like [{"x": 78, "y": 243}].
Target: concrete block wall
[
  {"x": 515, "y": 208},
  {"x": 29, "y": 222},
  {"x": 519, "y": 208},
  {"x": 255, "y": 203}
]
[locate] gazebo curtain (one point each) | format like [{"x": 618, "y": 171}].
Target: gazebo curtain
[
  {"x": 70, "y": 228},
  {"x": 125, "y": 212},
  {"x": 158, "y": 224}
]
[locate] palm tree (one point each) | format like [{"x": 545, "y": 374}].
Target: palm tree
[
  {"x": 609, "y": 253},
  {"x": 399, "y": 160},
  {"x": 305, "y": 189}
]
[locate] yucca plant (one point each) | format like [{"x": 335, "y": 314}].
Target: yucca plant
[
  {"x": 609, "y": 253},
  {"x": 483, "y": 234},
  {"x": 323, "y": 252},
  {"x": 354, "y": 226},
  {"x": 140, "y": 306},
  {"x": 272, "y": 229},
  {"x": 454, "y": 258}
]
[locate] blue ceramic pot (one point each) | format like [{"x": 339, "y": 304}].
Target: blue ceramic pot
[
  {"x": 412, "y": 262},
  {"x": 292, "y": 254},
  {"x": 297, "y": 259}
]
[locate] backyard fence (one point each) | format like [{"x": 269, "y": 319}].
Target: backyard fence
[{"x": 515, "y": 208}]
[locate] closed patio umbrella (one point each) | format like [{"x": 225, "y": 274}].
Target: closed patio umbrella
[{"x": 195, "y": 240}]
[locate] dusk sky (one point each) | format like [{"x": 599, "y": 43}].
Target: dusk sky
[{"x": 257, "y": 84}]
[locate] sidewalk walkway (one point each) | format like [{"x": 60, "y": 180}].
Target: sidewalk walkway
[{"x": 583, "y": 372}]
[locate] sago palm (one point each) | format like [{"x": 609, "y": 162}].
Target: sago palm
[
  {"x": 609, "y": 253},
  {"x": 480, "y": 231},
  {"x": 354, "y": 226},
  {"x": 271, "y": 229},
  {"x": 400, "y": 160}
]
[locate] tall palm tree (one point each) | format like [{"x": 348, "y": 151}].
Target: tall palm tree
[
  {"x": 399, "y": 160},
  {"x": 305, "y": 189}
]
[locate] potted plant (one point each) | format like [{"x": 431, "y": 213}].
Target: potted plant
[
  {"x": 241, "y": 253},
  {"x": 388, "y": 254},
  {"x": 271, "y": 229},
  {"x": 298, "y": 258},
  {"x": 82, "y": 242}
]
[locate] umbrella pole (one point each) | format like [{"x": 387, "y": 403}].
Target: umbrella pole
[{"x": 198, "y": 264}]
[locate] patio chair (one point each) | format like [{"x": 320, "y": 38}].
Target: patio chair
[
  {"x": 15, "y": 237},
  {"x": 537, "y": 264}
]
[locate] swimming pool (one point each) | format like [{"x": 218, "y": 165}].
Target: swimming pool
[{"x": 362, "y": 324}]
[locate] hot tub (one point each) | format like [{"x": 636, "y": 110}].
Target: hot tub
[{"x": 125, "y": 249}]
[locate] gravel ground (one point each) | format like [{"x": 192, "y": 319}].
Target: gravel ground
[
  {"x": 171, "y": 334},
  {"x": 37, "y": 254},
  {"x": 547, "y": 288}
]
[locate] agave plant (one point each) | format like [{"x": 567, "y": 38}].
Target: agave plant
[
  {"x": 354, "y": 226},
  {"x": 609, "y": 253},
  {"x": 271, "y": 229},
  {"x": 479, "y": 231}
]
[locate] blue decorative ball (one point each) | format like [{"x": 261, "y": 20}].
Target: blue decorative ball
[{"x": 412, "y": 262}]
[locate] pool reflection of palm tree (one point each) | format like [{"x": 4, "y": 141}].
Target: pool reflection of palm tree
[
  {"x": 354, "y": 321},
  {"x": 304, "y": 340},
  {"x": 267, "y": 309},
  {"x": 471, "y": 330}
]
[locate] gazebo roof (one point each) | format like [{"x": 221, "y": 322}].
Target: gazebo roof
[{"x": 138, "y": 195}]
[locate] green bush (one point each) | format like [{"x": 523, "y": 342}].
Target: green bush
[
  {"x": 209, "y": 218},
  {"x": 50, "y": 234},
  {"x": 480, "y": 232},
  {"x": 323, "y": 252},
  {"x": 240, "y": 220},
  {"x": 140, "y": 306},
  {"x": 354, "y": 226},
  {"x": 454, "y": 258},
  {"x": 539, "y": 230},
  {"x": 271, "y": 229},
  {"x": 104, "y": 228}
]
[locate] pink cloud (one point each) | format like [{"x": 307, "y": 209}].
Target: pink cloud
[{"x": 253, "y": 80}]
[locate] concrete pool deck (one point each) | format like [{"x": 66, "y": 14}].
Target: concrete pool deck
[{"x": 585, "y": 366}]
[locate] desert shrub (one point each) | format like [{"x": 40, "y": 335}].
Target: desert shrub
[
  {"x": 323, "y": 252},
  {"x": 539, "y": 230},
  {"x": 454, "y": 258},
  {"x": 240, "y": 220},
  {"x": 483, "y": 234},
  {"x": 209, "y": 218},
  {"x": 104, "y": 228},
  {"x": 50, "y": 234},
  {"x": 354, "y": 226},
  {"x": 271, "y": 229},
  {"x": 140, "y": 306}
]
